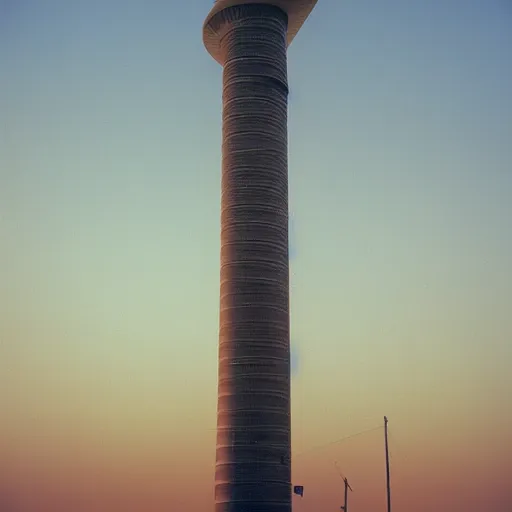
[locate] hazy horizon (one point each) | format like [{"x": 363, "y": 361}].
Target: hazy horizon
[{"x": 400, "y": 166}]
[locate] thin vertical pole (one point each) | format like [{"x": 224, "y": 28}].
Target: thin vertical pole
[
  {"x": 346, "y": 494},
  {"x": 387, "y": 462}
]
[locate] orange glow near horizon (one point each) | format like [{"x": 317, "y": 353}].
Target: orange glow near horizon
[{"x": 400, "y": 187}]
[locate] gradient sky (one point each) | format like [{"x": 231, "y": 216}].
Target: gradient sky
[{"x": 400, "y": 190}]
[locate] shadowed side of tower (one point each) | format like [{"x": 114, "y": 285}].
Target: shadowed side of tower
[{"x": 253, "y": 468}]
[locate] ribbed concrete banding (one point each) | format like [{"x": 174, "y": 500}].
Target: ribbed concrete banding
[
  {"x": 253, "y": 412},
  {"x": 297, "y": 11}
]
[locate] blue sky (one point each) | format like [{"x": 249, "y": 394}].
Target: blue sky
[{"x": 400, "y": 168}]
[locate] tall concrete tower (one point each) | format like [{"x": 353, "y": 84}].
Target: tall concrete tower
[{"x": 249, "y": 39}]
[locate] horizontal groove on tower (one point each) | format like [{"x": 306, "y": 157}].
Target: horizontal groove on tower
[{"x": 253, "y": 410}]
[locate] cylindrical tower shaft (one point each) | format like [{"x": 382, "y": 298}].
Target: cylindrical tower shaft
[{"x": 253, "y": 469}]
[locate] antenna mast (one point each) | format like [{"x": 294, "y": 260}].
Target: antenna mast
[
  {"x": 347, "y": 487},
  {"x": 387, "y": 462}
]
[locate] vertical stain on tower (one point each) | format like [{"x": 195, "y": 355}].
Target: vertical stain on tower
[{"x": 253, "y": 468}]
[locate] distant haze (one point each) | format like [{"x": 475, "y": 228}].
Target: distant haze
[{"x": 401, "y": 288}]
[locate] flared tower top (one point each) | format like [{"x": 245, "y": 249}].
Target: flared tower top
[{"x": 297, "y": 11}]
